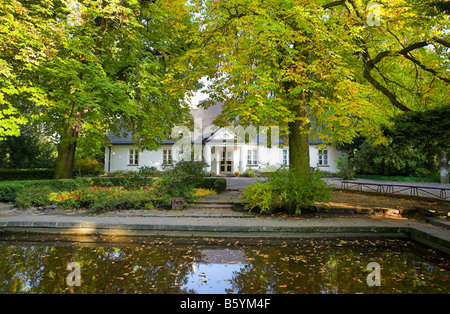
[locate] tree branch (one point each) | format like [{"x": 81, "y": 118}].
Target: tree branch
[
  {"x": 405, "y": 52},
  {"x": 391, "y": 96}
]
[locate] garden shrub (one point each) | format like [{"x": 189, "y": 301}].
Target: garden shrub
[
  {"x": 285, "y": 191},
  {"x": 134, "y": 181},
  {"x": 9, "y": 190},
  {"x": 104, "y": 198},
  {"x": 87, "y": 166},
  {"x": 26, "y": 174},
  {"x": 217, "y": 184},
  {"x": 220, "y": 185},
  {"x": 33, "y": 196},
  {"x": 180, "y": 181},
  {"x": 345, "y": 168},
  {"x": 261, "y": 196}
]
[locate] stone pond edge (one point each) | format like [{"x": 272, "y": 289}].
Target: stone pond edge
[{"x": 278, "y": 232}]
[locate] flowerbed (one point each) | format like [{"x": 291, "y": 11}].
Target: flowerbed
[
  {"x": 98, "y": 198},
  {"x": 105, "y": 198}
]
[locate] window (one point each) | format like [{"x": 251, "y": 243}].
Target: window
[
  {"x": 134, "y": 157},
  {"x": 252, "y": 157},
  {"x": 167, "y": 157},
  {"x": 285, "y": 157},
  {"x": 323, "y": 157}
]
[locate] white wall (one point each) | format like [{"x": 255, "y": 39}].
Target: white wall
[
  {"x": 333, "y": 153},
  {"x": 120, "y": 157},
  {"x": 266, "y": 156}
]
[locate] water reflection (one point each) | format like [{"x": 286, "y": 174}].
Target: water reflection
[{"x": 215, "y": 266}]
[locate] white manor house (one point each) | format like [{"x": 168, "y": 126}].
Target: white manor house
[{"x": 217, "y": 147}]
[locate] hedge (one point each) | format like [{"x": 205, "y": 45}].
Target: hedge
[
  {"x": 217, "y": 184},
  {"x": 26, "y": 174},
  {"x": 9, "y": 190}
]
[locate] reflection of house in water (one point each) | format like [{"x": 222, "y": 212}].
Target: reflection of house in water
[
  {"x": 222, "y": 256},
  {"x": 213, "y": 271}
]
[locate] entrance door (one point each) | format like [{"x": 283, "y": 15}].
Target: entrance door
[{"x": 226, "y": 163}]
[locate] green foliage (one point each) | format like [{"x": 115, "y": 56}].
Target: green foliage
[
  {"x": 217, "y": 184},
  {"x": 26, "y": 174},
  {"x": 33, "y": 196},
  {"x": 392, "y": 160},
  {"x": 29, "y": 150},
  {"x": 262, "y": 197},
  {"x": 345, "y": 168},
  {"x": 9, "y": 190},
  {"x": 220, "y": 185},
  {"x": 423, "y": 134},
  {"x": 87, "y": 166},
  {"x": 149, "y": 171},
  {"x": 82, "y": 79},
  {"x": 135, "y": 180},
  {"x": 249, "y": 173},
  {"x": 284, "y": 190},
  {"x": 100, "y": 199},
  {"x": 180, "y": 181}
]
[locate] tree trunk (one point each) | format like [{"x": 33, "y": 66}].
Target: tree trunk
[
  {"x": 66, "y": 149},
  {"x": 299, "y": 144}
]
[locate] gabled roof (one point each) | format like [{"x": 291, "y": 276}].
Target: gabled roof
[
  {"x": 207, "y": 133},
  {"x": 128, "y": 140}
]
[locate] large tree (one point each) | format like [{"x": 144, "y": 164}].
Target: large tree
[
  {"x": 93, "y": 67},
  {"x": 276, "y": 63},
  {"x": 317, "y": 68}
]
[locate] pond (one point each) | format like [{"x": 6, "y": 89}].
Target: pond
[{"x": 218, "y": 266}]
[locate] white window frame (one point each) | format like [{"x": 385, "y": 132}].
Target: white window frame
[
  {"x": 285, "y": 157},
  {"x": 252, "y": 157},
  {"x": 323, "y": 157},
  {"x": 133, "y": 157},
  {"x": 167, "y": 157}
]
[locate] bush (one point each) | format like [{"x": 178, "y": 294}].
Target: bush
[
  {"x": 9, "y": 190},
  {"x": 104, "y": 198},
  {"x": 134, "y": 181},
  {"x": 285, "y": 191},
  {"x": 262, "y": 197},
  {"x": 392, "y": 160},
  {"x": 26, "y": 174},
  {"x": 180, "y": 181},
  {"x": 217, "y": 184},
  {"x": 220, "y": 185},
  {"x": 346, "y": 171},
  {"x": 87, "y": 166},
  {"x": 33, "y": 196}
]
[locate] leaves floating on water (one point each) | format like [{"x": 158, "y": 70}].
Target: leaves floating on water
[{"x": 217, "y": 266}]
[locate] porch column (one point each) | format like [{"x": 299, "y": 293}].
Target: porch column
[
  {"x": 218, "y": 158},
  {"x": 207, "y": 157},
  {"x": 242, "y": 159}
]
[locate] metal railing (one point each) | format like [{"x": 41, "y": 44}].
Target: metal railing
[{"x": 415, "y": 190}]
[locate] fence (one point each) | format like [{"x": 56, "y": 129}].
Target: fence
[{"x": 415, "y": 190}]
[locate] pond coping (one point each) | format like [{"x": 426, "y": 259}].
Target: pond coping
[{"x": 431, "y": 235}]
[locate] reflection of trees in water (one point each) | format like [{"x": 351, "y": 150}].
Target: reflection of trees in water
[
  {"x": 339, "y": 269},
  {"x": 153, "y": 268},
  {"x": 103, "y": 270}
]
